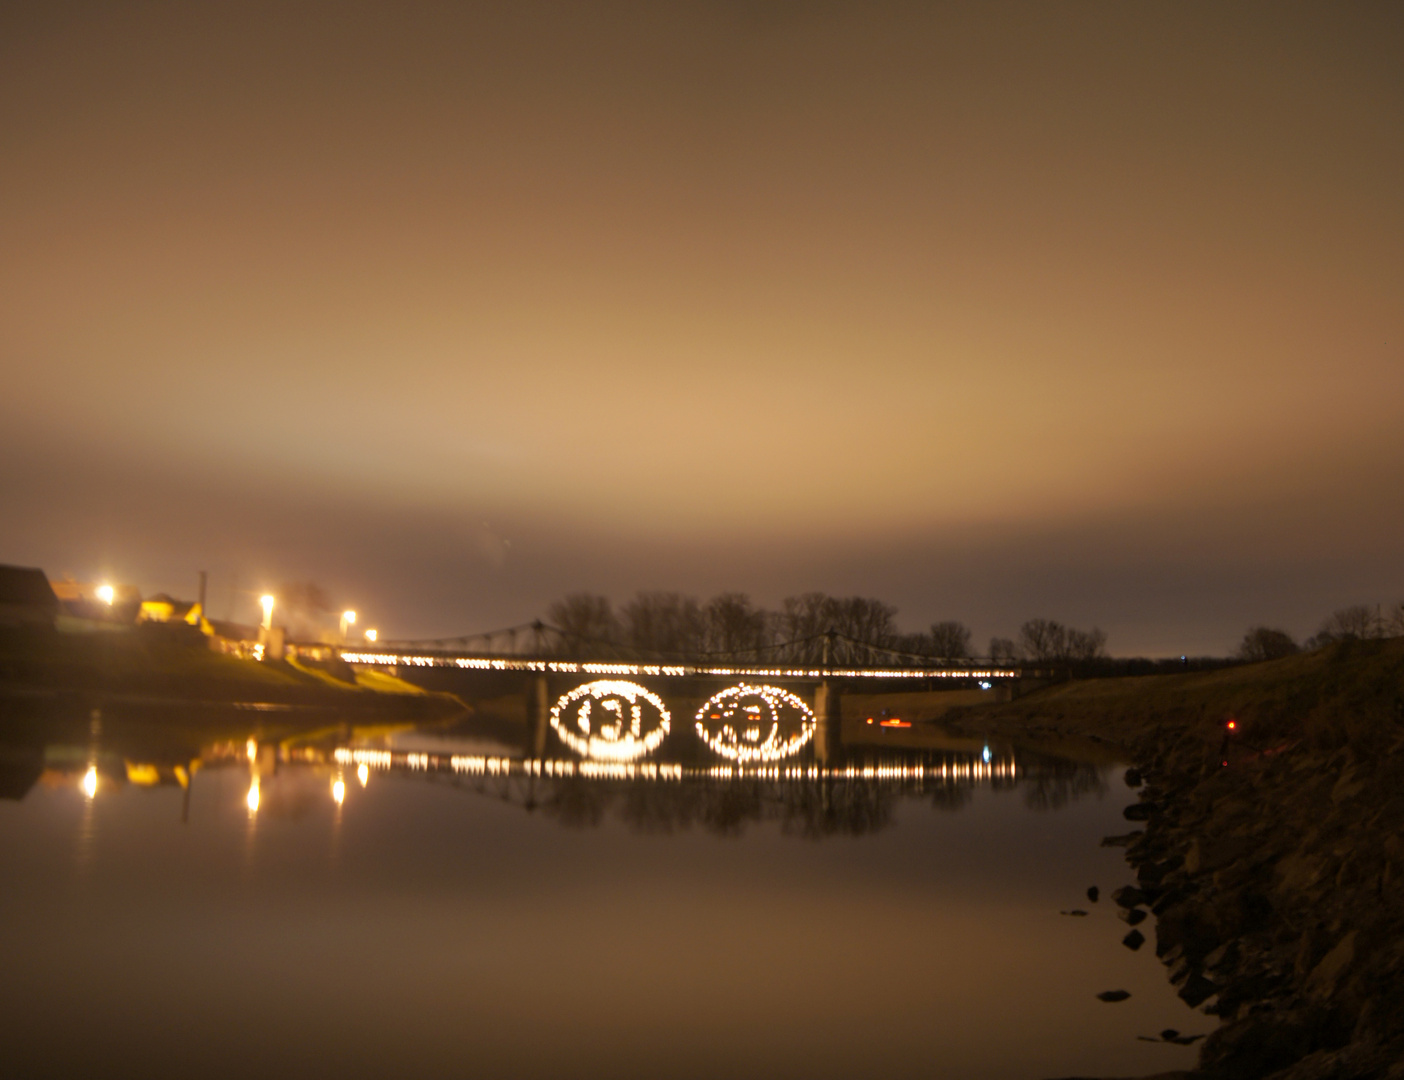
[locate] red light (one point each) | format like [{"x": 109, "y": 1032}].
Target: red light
[
  {"x": 1232, "y": 724},
  {"x": 870, "y": 719}
]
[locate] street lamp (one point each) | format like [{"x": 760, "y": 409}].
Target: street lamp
[
  {"x": 267, "y": 602},
  {"x": 348, "y": 618},
  {"x": 371, "y": 636},
  {"x": 106, "y": 593}
]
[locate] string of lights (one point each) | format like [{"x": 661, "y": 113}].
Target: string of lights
[
  {"x": 615, "y": 731},
  {"x": 583, "y": 667},
  {"x": 755, "y": 723}
]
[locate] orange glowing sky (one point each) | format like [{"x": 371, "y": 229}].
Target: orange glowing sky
[{"x": 1091, "y": 312}]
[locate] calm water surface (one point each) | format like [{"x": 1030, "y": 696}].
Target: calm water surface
[{"x": 447, "y": 923}]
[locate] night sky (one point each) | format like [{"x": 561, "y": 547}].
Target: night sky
[{"x": 1090, "y": 312}]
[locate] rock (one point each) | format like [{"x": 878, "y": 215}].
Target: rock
[
  {"x": 1152, "y": 874},
  {"x": 1128, "y": 896},
  {"x": 1203, "y": 857},
  {"x": 1093, "y": 892},
  {"x": 1224, "y": 955},
  {"x": 1134, "y": 940},
  {"x": 1123, "y": 839},
  {"x": 1170, "y": 1034},
  {"x": 1324, "y": 977},
  {"x": 1113, "y": 995},
  {"x": 1074, "y": 911},
  {"x": 1140, "y": 811},
  {"x": 1132, "y": 916},
  {"x": 1197, "y": 990}
]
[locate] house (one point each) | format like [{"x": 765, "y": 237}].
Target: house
[
  {"x": 26, "y": 598},
  {"x": 85, "y": 605}
]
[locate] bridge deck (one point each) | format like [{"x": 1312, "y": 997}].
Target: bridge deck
[{"x": 390, "y": 658}]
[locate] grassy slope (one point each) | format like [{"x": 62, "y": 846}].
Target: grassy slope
[
  {"x": 1350, "y": 694},
  {"x": 152, "y": 665}
]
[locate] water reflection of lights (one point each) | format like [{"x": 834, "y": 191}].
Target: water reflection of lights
[
  {"x": 755, "y": 723},
  {"x": 363, "y": 773},
  {"x": 571, "y": 667},
  {"x": 974, "y": 770},
  {"x": 90, "y": 781},
  {"x": 252, "y": 797},
  {"x": 339, "y": 791},
  {"x": 606, "y": 720},
  {"x": 251, "y": 749}
]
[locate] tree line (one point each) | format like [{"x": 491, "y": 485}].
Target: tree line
[
  {"x": 805, "y": 629},
  {"x": 1359, "y": 622}
]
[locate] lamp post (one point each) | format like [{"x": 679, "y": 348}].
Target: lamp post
[{"x": 348, "y": 619}]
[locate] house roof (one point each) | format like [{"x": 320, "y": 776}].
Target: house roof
[{"x": 26, "y": 586}]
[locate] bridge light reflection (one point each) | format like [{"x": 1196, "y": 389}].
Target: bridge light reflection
[
  {"x": 363, "y": 773},
  {"x": 90, "y": 782},
  {"x": 947, "y": 771},
  {"x": 252, "y": 798},
  {"x": 338, "y": 791}
]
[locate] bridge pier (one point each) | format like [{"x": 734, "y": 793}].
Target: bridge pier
[
  {"x": 828, "y": 714},
  {"x": 538, "y": 702}
]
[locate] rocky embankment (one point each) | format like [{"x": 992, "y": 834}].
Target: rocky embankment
[{"x": 1272, "y": 853}]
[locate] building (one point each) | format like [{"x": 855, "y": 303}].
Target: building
[{"x": 26, "y": 600}]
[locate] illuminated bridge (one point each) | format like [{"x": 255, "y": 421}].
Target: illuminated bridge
[
  {"x": 612, "y": 708},
  {"x": 541, "y": 648}
]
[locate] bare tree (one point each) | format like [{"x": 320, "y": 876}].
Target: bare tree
[
  {"x": 587, "y": 622},
  {"x": 734, "y": 626},
  {"x": 664, "y": 622},
  {"x": 950, "y": 640},
  {"x": 1048, "y": 641},
  {"x": 1043, "y": 640},
  {"x": 1349, "y": 624},
  {"x": 864, "y": 620},
  {"x": 803, "y": 619},
  {"x": 1003, "y": 650},
  {"x": 1265, "y": 643},
  {"x": 1085, "y": 644}
]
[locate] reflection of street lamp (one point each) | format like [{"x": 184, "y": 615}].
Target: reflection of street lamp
[
  {"x": 90, "y": 781},
  {"x": 267, "y": 602},
  {"x": 370, "y": 636},
  {"x": 106, "y": 593},
  {"x": 348, "y": 618}
]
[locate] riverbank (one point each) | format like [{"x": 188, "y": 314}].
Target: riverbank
[
  {"x": 155, "y": 668},
  {"x": 1272, "y": 852}
]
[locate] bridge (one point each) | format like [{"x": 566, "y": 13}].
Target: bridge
[
  {"x": 540, "y": 647},
  {"x": 587, "y": 690}
]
